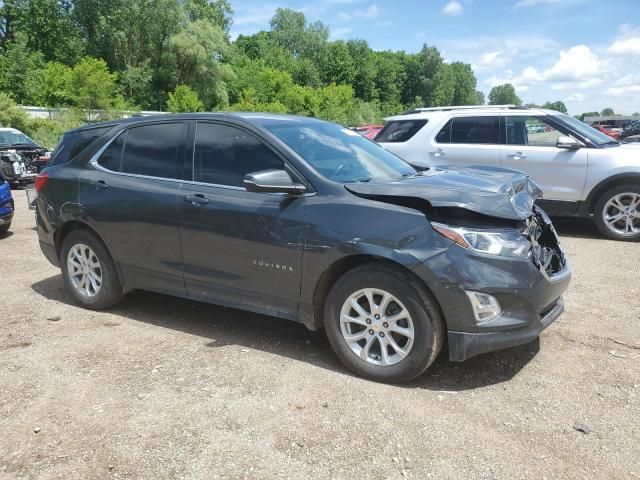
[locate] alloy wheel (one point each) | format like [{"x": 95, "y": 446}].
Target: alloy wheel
[
  {"x": 377, "y": 327},
  {"x": 84, "y": 270},
  {"x": 621, "y": 214}
]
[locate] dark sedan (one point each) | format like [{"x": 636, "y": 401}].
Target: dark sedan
[{"x": 305, "y": 220}]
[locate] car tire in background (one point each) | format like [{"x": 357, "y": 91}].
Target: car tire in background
[
  {"x": 405, "y": 320},
  {"x": 89, "y": 272},
  {"x": 5, "y": 228},
  {"x": 617, "y": 213}
]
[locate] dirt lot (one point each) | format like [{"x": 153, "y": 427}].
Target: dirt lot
[{"x": 166, "y": 388}]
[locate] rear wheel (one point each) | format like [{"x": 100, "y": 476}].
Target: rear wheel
[
  {"x": 89, "y": 272},
  {"x": 383, "y": 324},
  {"x": 5, "y": 228},
  {"x": 617, "y": 213}
]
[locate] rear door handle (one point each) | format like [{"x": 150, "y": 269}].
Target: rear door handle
[
  {"x": 100, "y": 184},
  {"x": 438, "y": 153},
  {"x": 517, "y": 156},
  {"x": 197, "y": 199}
]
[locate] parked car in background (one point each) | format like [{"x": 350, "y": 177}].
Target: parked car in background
[
  {"x": 368, "y": 131},
  {"x": 612, "y": 132},
  {"x": 306, "y": 220},
  {"x": 6, "y": 205},
  {"x": 21, "y": 158},
  {"x": 582, "y": 172},
  {"x": 631, "y": 132}
]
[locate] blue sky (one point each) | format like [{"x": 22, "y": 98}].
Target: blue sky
[{"x": 583, "y": 52}]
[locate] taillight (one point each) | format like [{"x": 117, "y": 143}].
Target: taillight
[{"x": 41, "y": 180}]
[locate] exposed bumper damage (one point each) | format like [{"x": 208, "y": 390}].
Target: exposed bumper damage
[{"x": 529, "y": 288}]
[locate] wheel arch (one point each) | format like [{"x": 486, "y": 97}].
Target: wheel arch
[
  {"x": 345, "y": 264},
  {"x": 608, "y": 184},
  {"x": 66, "y": 228}
]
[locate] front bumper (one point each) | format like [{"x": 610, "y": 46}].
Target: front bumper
[
  {"x": 530, "y": 299},
  {"x": 464, "y": 345},
  {"x": 5, "y": 219}
]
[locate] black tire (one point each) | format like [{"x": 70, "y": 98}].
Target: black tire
[
  {"x": 429, "y": 330},
  {"x": 599, "y": 212},
  {"x": 111, "y": 291},
  {"x": 5, "y": 228}
]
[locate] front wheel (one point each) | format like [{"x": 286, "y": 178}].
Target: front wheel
[
  {"x": 5, "y": 228},
  {"x": 617, "y": 213},
  {"x": 383, "y": 324}
]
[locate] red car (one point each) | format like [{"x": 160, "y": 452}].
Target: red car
[
  {"x": 368, "y": 131},
  {"x": 612, "y": 132}
]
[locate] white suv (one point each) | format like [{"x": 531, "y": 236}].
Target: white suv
[{"x": 581, "y": 171}]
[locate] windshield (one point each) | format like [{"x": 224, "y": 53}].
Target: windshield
[
  {"x": 13, "y": 137},
  {"x": 341, "y": 154},
  {"x": 585, "y": 130}
]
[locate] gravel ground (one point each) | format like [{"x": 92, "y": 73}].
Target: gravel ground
[{"x": 161, "y": 387}]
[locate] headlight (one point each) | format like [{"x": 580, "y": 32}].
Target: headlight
[{"x": 507, "y": 242}]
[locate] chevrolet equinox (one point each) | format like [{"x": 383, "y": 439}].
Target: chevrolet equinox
[{"x": 306, "y": 220}]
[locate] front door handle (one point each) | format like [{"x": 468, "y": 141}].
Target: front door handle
[
  {"x": 517, "y": 156},
  {"x": 438, "y": 153},
  {"x": 100, "y": 184},
  {"x": 197, "y": 199}
]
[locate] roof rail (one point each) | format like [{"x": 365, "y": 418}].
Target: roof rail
[{"x": 462, "y": 107}]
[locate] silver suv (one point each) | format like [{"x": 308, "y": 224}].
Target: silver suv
[{"x": 583, "y": 172}]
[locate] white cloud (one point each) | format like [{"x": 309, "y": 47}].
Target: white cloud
[
  {"x": 340, "y": 32},
  {"x": 452, "y": 8},
  {"x": 372, "y": 11},
  {"x": 578, "y": 63},
  {"x": 628, "y": 91},
  {"x": 629, "y": 46},
  {"x": 576, "y": 97},
  {"x": 533, "y": 3}
]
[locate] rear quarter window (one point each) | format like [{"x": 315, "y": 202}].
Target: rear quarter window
[
  {"x": 73, "y": 143},
  {"x": 397, "y": 131}
]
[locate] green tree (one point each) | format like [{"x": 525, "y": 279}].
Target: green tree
[
  {"x": 48, "y": 27},
  {"x": 11, "y": 115},
  {"x": 558, "y": 106},
  {"x": 607, "y": 112},
  {"x": 218, "y": 12},
  {"x": 338, "y": 66},
  {"x": 364, "y": 81},
  {"x": 184, "y": 99},
  {"x": 465, "y": 84},
  {"x": 92, "y": 86},
  {"x": 195, "y": 58},
  {"x": 504, "y": 95},
  {"x": 290, "y": 30},
  {"x": 479, "y": 98},
  {"x": 56, "y": 79},
  {"x": 20, "y": 72}
]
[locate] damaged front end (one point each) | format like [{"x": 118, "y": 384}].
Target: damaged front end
[
  {"x": 22, "y": 165},
  {"x": 489, "y": 210}
]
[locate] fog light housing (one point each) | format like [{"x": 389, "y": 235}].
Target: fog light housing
[{"x": 485, "y": 307}]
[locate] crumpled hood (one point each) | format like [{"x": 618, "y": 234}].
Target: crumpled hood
[{"x": 494, "y": 191}]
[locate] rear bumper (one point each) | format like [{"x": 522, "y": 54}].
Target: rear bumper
[
  {"x": 464, "y": 345},
  {"x": 5, "y": 218}
]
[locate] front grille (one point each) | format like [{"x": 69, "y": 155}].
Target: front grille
[{"x": 547, "y": 253}]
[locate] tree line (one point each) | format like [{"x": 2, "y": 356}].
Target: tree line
[{"x": 177, "y": 55}]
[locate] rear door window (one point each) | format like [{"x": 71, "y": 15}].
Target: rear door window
[
  {"x": 111, "y": 157},
  {"x": 475, "y": 130},
  {"x": 397, "y": 131},
  {"x": 153, "y": 150}
]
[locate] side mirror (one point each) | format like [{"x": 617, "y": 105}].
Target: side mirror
[
  {"x": 274, "y": 181},
  {"x": 569, "y": 143}
]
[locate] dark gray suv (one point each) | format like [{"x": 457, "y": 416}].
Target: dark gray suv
[{"x": 309, "y": 221}]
